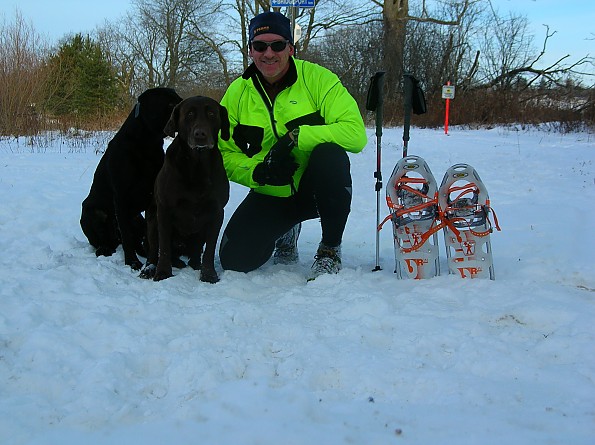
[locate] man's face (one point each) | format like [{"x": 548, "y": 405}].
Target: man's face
[{"x": 272, "y": 64}]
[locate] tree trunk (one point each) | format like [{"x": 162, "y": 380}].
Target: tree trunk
[{"x": 395, "y": 16}]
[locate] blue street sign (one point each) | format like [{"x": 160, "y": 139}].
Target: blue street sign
[{"x": 296, "y": 3}]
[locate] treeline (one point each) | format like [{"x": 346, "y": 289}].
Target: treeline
[{"x": 90, "y": 81}]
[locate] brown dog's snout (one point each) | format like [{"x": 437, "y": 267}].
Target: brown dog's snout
[{"x": 200, "y": 138}]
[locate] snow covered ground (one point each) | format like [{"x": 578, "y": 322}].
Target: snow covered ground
[{"x": 91, "y": 354}]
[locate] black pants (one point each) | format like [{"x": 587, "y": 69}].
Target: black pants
[{"x": 325, "y": 191}]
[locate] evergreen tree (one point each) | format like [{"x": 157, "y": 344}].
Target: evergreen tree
[{"x": 84, "y": 82}]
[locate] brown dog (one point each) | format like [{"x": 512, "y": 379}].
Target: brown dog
[{"x": 191, "y": 190}]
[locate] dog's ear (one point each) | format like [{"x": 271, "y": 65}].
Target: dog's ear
[
  {"x": 172, "y": 124},
  {"x": 143, "y": 95},
  {"x": 224, "y": 123},
  {"x": 140, "y": 99}
]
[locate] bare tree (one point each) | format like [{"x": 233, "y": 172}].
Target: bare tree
[
  {"x": 556, "y": 73},
  {"x": 396, "y": 15},
  {"x": 351, "y": 53},
  {"x": 238, "y": 21},
  {"x": 165, "y": 43},
  {"x": 119, "y": 55},
  {"x": 505, "y": 45},
  {"x": 22, "y": 76},
  {"x": 332, "y": 15}
]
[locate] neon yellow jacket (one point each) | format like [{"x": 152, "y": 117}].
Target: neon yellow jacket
[{"x": 315, "y": 101}]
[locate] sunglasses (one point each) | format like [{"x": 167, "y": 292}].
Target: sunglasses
[{"x": 277, "y": 46}]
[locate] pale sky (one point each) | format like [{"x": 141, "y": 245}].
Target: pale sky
[
  {"x": 573, "y": 20},
  {"x": 57, "y": 18}
]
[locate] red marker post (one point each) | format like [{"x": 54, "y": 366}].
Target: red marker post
[{"x": 448, "y": 93}]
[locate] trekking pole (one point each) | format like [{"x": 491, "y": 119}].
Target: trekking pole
[
  {"x": 375, "y": 103},
  {"x": 414, "y": 101},
  {"x": 408, "y": 93}
]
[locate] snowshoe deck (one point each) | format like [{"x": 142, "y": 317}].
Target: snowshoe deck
[
  {"x": 464, "y": 210},
  {"x": 411, "y": 195}
]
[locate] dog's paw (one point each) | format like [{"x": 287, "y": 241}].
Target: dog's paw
[
  {"x": 134, "y": 264},
  {"x": 104, "y": 251},
  {"x": 148, "y": 272},
  {"x": 178, "y": 263},
  {"x": 194, "y": 263},
  {"x": 208, "y": 276},
  {"x": 161, "y": 275}
]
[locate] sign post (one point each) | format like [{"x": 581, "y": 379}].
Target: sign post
[
  {"x": 294, "y": 4},
  {"x": 448, "y": 93}
]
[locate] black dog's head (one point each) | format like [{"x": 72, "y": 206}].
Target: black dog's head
[
  {"x": 154, "y": 107},
  {"x": 197, "y": 120}
]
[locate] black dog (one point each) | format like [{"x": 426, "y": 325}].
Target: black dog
[
  {"x": 191, "y": 190},
  {"x": 123, "y": 182}
]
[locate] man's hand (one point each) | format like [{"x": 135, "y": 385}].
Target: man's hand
[
  {"x": 279, "y": 165},
  {"x": 282, "y": 148}
]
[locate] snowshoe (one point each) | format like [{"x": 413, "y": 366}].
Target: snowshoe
[
  {"x": 411, "y": 195},
  {"x": 464, "y": 207}
]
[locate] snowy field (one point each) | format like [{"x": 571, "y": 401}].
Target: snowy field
[{"x": 92, "y": 354}]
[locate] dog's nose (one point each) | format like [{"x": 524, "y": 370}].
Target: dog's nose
[{"x": 200, "y": 134}]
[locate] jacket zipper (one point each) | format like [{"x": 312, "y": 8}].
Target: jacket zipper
[{"x": 269, "y": 105}]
